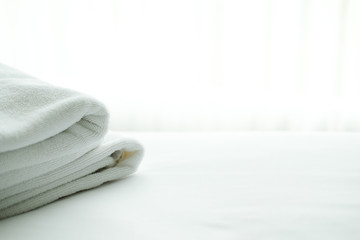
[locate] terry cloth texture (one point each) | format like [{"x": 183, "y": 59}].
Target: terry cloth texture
[{"x": 53, "y": 143}]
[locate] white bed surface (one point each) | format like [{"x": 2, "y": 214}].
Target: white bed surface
[{"x": 216, "y": 186}]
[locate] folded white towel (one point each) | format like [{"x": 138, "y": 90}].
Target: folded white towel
[{"x": 53, "y": 143}]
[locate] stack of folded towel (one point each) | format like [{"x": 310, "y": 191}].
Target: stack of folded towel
[{"x": 53, "y": 143}]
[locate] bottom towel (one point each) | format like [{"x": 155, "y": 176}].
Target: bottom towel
[{"x": 115, "y": 158}]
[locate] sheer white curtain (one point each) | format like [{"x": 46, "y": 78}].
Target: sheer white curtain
[{"x": 196, "y": 64}]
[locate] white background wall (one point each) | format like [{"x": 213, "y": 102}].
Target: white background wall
[{"x": 199, "y": 65}]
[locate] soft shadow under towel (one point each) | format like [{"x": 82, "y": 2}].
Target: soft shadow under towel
[{"x": 53, "y": 143}]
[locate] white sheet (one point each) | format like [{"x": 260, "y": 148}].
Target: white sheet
[{"x": 216, "y": 186}]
